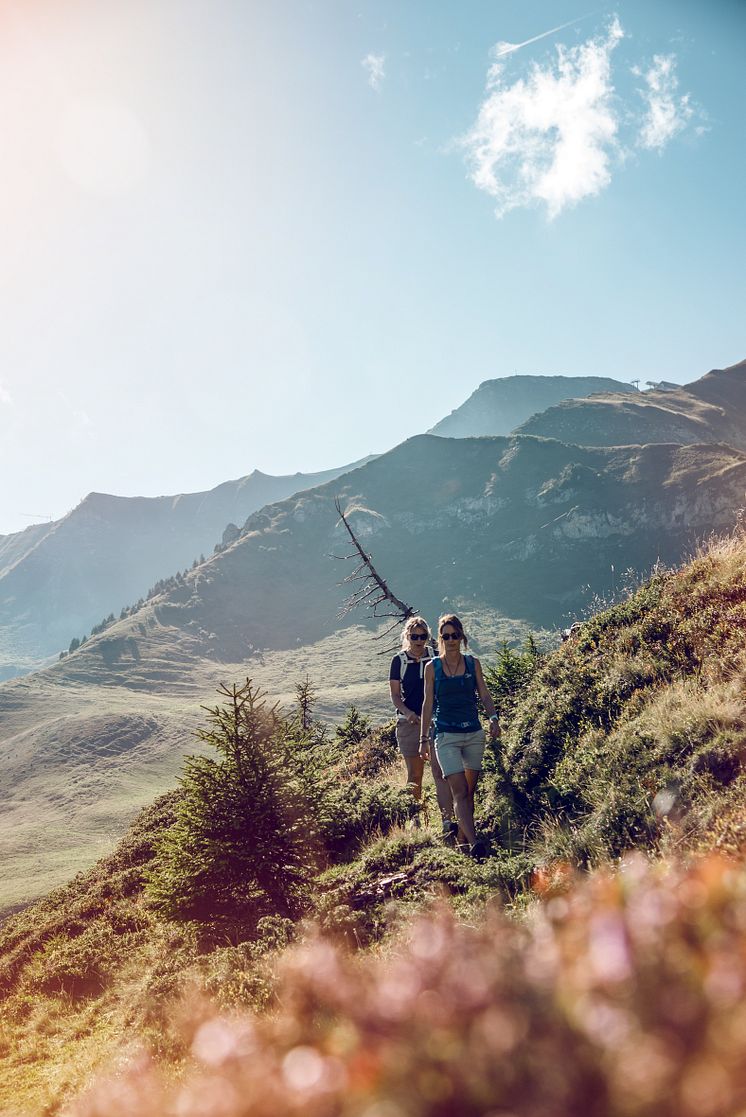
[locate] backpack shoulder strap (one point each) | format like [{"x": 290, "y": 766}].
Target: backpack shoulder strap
[{"x": 469, "y": 661}]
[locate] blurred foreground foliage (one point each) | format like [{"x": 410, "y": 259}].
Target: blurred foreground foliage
[{"x": 619, "y": 996}]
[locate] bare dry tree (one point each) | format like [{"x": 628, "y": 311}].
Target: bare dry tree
[{"x": 368, "y": 587}]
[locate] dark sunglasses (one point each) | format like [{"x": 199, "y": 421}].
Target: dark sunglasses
[
  {"x": 450, "y": 636},
  {"x": 418, "y": 636}
]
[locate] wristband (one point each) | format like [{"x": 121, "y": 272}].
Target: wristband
[{"x": 494, "y": 717}]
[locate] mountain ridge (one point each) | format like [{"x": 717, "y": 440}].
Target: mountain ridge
[
  {"x": 710, "y": 409},
  {"x": 60, "y": 579},
  {"x": 501, "y": 404}
]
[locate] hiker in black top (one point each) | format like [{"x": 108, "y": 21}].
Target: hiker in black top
[{"x": 406, "y": 682}]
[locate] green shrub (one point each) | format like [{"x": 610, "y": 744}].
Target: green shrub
[
  {"x": 353, "y": 729},
  {"x": 374, "y": 754},
  {"x": 244, "y": 843}
]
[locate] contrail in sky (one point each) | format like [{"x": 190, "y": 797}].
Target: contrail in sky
[{"x": 502, "y": 49}]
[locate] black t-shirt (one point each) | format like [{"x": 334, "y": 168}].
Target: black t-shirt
[{"x": 413, "y": 683}]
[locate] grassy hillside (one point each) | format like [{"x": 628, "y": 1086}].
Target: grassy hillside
[
  {"x": 79, "y": 760},
  {"x": 712, "y": 409},
  {"x": 634, "y": 732},
  {"x": 631, "y": 735},
  {"x": 499, "y": 406}
]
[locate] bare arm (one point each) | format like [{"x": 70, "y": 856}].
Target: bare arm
[
  {"x": 398, "y": 701},
  {"x": 487, "y": 702},
  {"x": 427, "y": 711}
]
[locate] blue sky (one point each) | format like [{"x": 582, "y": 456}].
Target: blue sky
[{"x": 238, "y": 235}]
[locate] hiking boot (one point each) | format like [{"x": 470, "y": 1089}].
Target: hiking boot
[
  {"x": 450, "y": 830},
  {"x": 478, "y": 852}
]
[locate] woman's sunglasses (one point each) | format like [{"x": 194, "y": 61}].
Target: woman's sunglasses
[
  {"x": 450, "y": 636},
  {"x": 418, "y": 636}
]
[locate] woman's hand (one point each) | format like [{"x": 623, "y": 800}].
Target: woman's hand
[
  {"x": 412, "y": 718},
  {"x": 495, "y": 730},
  {"x": 425, "y": 748}
]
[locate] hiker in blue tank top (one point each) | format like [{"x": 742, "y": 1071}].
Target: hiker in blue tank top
[
  {"x": 406, "y": 681},
  {"x": 453, "y": 682}
]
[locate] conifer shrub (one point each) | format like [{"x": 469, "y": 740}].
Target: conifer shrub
[
  {"x": 508, "y": 677},
  {"x": 354, "y": 729},
  {"x": 244, "y": 844}
]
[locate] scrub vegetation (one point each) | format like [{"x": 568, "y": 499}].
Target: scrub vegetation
[{"x": 277, "y": 935}]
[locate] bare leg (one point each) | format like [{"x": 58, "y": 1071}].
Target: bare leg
[
  {"x": 463, "y": 799},
  {"x": 415, "y": 769},
  {"x": 442, "y": 790},
  {"x": 472, "y": 778}
]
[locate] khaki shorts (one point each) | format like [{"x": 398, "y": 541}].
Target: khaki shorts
[
  {"x": 459, "y": 751},
  {"x": 408, "y": 737}
]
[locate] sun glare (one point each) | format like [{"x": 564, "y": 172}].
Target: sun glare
[{"x": 103, "y": 147}]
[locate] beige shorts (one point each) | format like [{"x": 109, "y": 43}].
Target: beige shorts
[
  {"x": 459, "y": 751},
  {"x": 408, "y": 737}
]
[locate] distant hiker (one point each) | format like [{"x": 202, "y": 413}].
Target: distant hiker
[
  {"x": 453, "y": 681},
  {"x": 407, "y": 686}
]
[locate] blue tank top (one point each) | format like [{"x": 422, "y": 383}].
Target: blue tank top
[{"x": 456, "y": 699}]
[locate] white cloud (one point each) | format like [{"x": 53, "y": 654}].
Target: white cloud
[
  {"x": 666, "y": 113},
  {"x": 375, "y": 64},
  {"x": 5, "y": 396},
  {"x": 556, "y": 135},
  {"x": 547, "y": 138}
]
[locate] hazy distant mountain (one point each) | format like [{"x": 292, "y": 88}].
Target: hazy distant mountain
[
  {"x": 517, "y": 526},
  {"x": 58, "y": 580},
  {"x": 712, "y": 409},
  {"x": 499, "y": 406}
]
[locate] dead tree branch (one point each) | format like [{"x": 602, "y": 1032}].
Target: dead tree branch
[{"x": 368, "y": 587}]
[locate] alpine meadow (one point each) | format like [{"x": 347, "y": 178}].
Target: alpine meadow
[{"x": 413, "y": 786}]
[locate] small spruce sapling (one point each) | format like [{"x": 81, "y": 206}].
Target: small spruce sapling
[
  {"x": 305, "y": 695},
  {"x": 244, "y": 842},
  {"x": 353, "y": 729}
]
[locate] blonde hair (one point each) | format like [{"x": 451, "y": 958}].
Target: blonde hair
[
  {"x": 453, "y": 620},
  {"x": 414, "y": 622}
]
